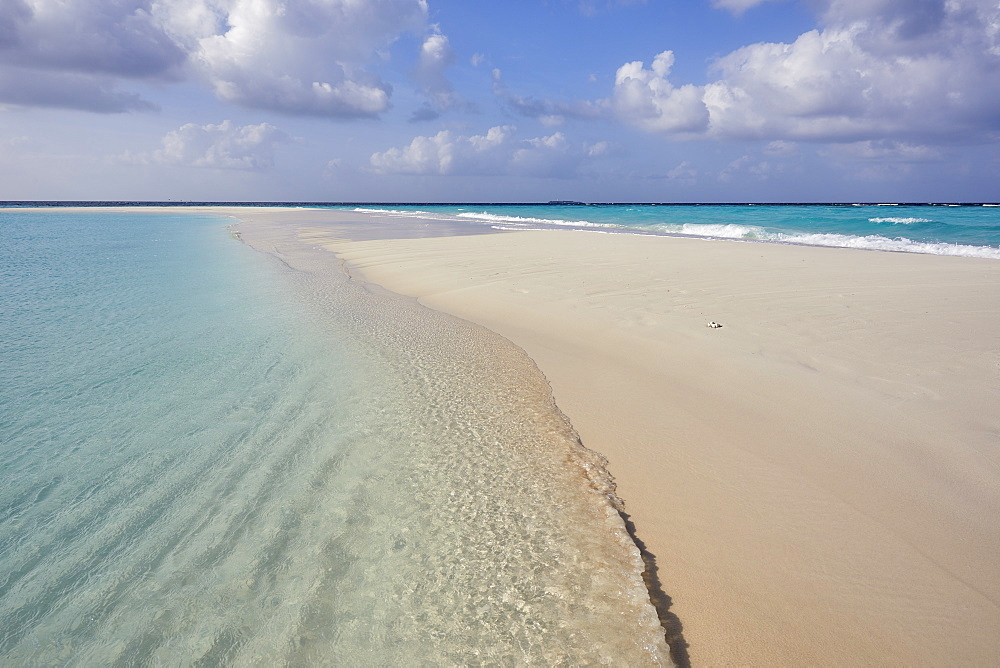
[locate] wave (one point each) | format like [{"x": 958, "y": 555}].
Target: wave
[
  {"x": 754, "y": 233},
  {"x": 900, "y": 221},
  {"x": 730, "y": 231},
  {"x": 495, "y": 218},
  {"x": 395, "y": 212},
  {"x": 869, "y": 242},
  {"x": 898, "y": 244}
]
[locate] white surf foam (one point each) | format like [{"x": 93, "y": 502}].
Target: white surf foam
[
  {"x": 899, "y": 221},
  {"x": 524, "y": 220},
  {"x": 898, "y": 244},
  {"x": 395, "y": 212},
  {"x": 731, "y": 231},
  {"x": 869, "y": 242}
]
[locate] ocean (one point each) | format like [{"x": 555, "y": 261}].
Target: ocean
[
  {"x": 947, "y": 229},
  {"x": 215, "y": 455}
]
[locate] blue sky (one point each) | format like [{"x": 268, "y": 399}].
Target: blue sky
[{"x": 448, "y": 100}]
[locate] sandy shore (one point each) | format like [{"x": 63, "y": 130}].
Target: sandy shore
[{"x": 819, "y": 479}]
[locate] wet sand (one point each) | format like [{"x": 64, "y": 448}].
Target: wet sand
[{"x": 819, "y": 478}]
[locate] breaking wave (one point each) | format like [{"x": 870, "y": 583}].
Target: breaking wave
[
  {"x": 523, "y": 220},
  {"x": 736, "y": 231},
  {"x": 900, "y": 221},
  {"x": 868, "y": 242},
  {"x": 395, "y": 212}
]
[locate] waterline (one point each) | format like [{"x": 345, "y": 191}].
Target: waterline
[{"x": 235, "y": 457}]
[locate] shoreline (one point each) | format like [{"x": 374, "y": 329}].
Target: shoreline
[
  {"x": 405, "y": 223},
  {"x": 817, "y": 477},
  {"x": 570, "y": 460}
]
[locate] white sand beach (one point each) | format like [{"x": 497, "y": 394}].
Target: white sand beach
[{"x": 819, "y": 478}]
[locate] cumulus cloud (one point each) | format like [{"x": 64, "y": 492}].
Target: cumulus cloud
[
  {"x": 121, "y": 38},
  {"x": 876, "y": 69},
  {"x": 71, "y": 55},
  {"x": 436, "y": 57},
  {"x": 305, "y": 57},
  {"x": 496, "y": 152},
  {"x": 645, "y": 97},
  {"x": 222, "y": 146}
]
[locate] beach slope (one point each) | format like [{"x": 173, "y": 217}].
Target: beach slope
[{"x": 819, "y": 478}]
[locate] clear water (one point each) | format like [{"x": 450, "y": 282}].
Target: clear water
[
  {"x": 935, "y": 229},
  {"x": 212, "y": 455}
]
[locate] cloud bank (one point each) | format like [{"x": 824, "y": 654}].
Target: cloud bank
[
  {"x": 496, "y": 152},
  {"x": 222, "y": 146},
  {"x": 877, "y": 69},
  {"x": 305, "y": 57}
]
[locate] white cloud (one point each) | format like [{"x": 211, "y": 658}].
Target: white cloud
[
  {"x": 222, "y": 146},
  {"x": 436, "y": 56},
  {"x": 306, "y": 57},
  {"x": 647, "y": 99},
  {"x": 71, "y": 54},
  {"x": 292, "y": 56},
  {"x": 877, "y": 69},
  {"x": 496, "y": 152},
  {"x": 446, "y": 153},
  {"x": 120, "y": 38}
]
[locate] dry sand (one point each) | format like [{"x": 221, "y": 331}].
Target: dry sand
[{"x": 819, "y": 479}]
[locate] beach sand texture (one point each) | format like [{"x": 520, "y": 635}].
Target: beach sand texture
[{"x": 818, "y": 479}]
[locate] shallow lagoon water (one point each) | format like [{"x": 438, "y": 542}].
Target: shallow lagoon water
[{"x": 213, "y": 454}]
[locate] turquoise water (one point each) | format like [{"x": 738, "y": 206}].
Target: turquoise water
[
  {"x": 935, "y": 229},
  {"x": 214, "y": 455}
]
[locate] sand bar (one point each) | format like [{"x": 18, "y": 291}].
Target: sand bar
[{"x": 819, "y": 479}]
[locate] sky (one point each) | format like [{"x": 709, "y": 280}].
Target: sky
[{"x": 517, "y": 101}]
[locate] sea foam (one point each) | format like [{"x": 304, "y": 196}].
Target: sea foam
[
  {"x": 833, "y": 226},
  {"x": 899, "y": 221}
]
